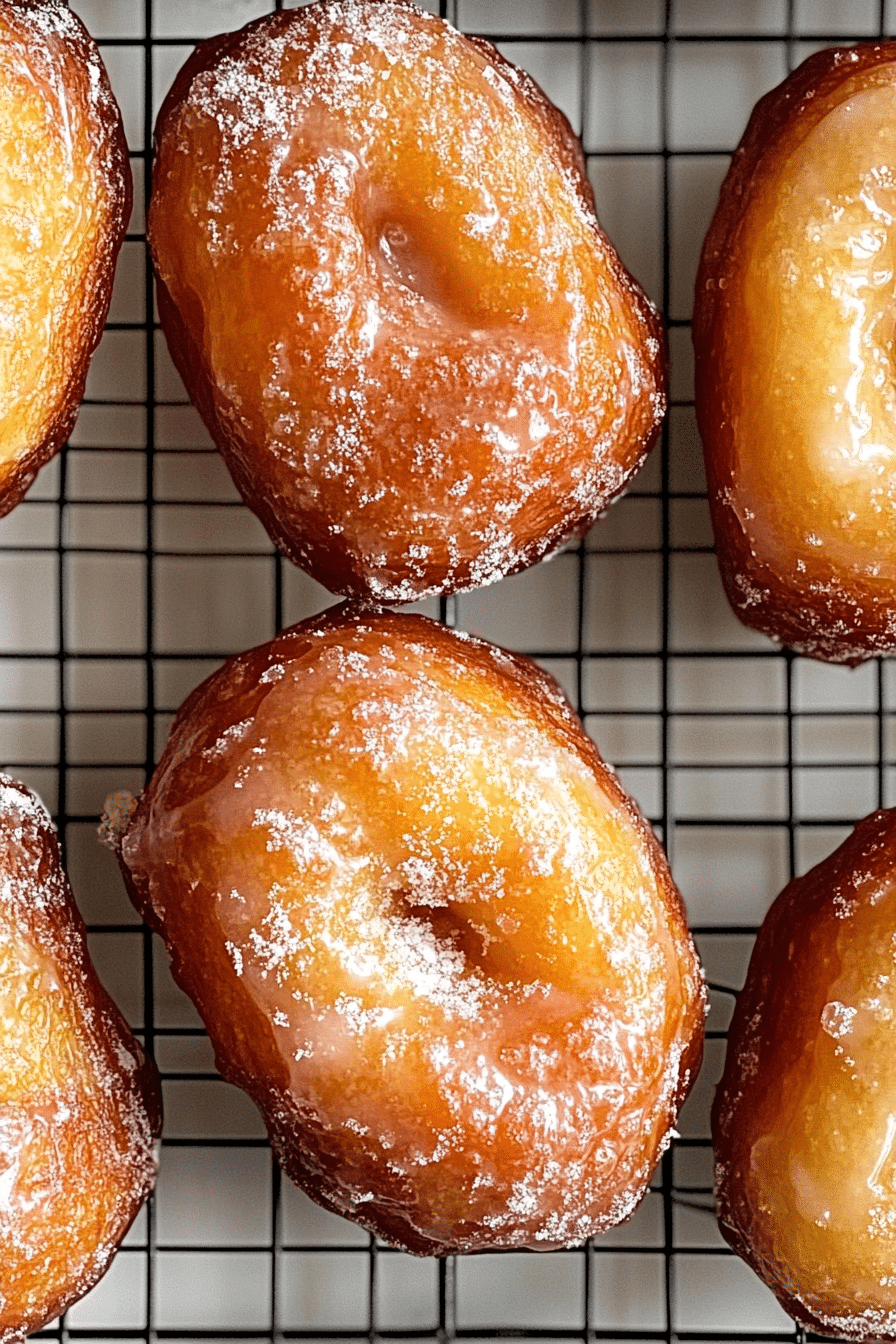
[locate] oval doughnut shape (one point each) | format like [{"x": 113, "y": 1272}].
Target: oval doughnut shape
[
  {"x": 804, "y": 1122},
  {"x": 793, "y": 336},
  {"x": 384, "y": 285},
  {"x": 65, "y": 199},
  {"x": 80, "y": 1104},
  {"x": 427, "y": 931}
]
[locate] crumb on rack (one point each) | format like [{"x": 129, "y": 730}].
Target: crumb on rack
[{"x": 117, "y": 812}]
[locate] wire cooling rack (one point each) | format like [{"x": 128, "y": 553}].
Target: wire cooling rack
[{"x": 132, "y": 570}]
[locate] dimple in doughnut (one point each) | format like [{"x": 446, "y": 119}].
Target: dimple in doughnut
[
  {"x": 80, "y": 1104},
  {"x": 793, "y": 333},
  {"x": 804, "y": 1123},
  {"x": 383, "y": 282},
  {"x": 65, "y": 197},
  {"x": 427, "y": 931}
]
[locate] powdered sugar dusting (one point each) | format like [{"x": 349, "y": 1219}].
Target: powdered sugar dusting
[
  {"x": 805, "y": 224},
  {"x": 837, "y": 1019},
  {"x": 448, "y": 914},
  {"x": 804, "y": 1127},
  {"x": 79, "y": 1118},
  {"x": 64, "y": 197},
  {"x": 57, "y": 24},
  {"x": 462, "y": 376},
  {"x": 871, "y": 1324}
]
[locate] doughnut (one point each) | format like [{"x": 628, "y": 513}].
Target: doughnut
[
  {"x": 427, "y": 931},
  {"x": 65, "y": 199},
  {"x": 383, "y": 283},
  {"x": 80, "y": 1104},
  {"x": 804, "y": 1120},
  {"x": 793, "y": 339}
]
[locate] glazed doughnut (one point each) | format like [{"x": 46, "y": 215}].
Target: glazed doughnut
[
  {"x": 794, "y": 345},
  {"x": 384, "y": 285},
  {"x": 803, "y": 1123},
  {"x": 65, "y": 198},
  {"x": 427, "y": 932},
  {"x": 80, "y": 1104}
]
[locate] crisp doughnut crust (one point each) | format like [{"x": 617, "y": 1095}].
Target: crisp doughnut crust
[
  {"x": 427, "y": 932},
  {"x": 793, "y": 334},
  {"x": 80, "y": 1105},
  {"x": 383, "y": 282},
  {"x": 804, "y": 1123},
  {"x": 65, "y": 198}
]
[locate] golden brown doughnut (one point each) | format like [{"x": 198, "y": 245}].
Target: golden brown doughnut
[
  {"x": 793, "y": 336},
  {"x": 804, "y": 1123},
  {"x": 427, "y": 931},
  {"x": 65, "y": 198},
  {"x": 80, "y": 1104},
  {"x": 383, "y": 283}
]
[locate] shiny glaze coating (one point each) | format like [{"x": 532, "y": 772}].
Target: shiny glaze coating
[
  {"x": 804, "y": 1123},
  {"x": 65, "y": 198},
  {"x": 793, "y": 334},
  {"x": 80, "y": 1105},
  {"x": 427, "y": 932},
  {"x": 383, "y": 282}
]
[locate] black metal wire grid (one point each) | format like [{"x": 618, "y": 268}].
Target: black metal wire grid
[{"x": 132, "y": 570}]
